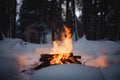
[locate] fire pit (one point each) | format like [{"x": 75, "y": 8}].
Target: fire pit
[
  {"x": 61, "y": 52},
  {"x": 46, "y": 60}
]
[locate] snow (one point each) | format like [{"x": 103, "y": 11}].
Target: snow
[
  {"x": 68, "y": 72},
  {"x": 93, "y": 52},
  {"x": 112, "y": 72},
  {"x": 8, "y": 69},
  {"x": 96, "y": 48},
  {"x": 100, "y": 59}
]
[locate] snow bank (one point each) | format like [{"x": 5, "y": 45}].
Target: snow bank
[
  {"x": 96, "y": 48},
  {"x": 68, "y": 72},
  {"x": 112, "y": 72},
  {"x": 15, "y": 54},
  {"x": 97, "y": 53},
  {"x": 24, "y": 53},
  {"x": 8, "y": 69}
]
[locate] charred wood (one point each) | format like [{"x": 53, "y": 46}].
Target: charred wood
[{"x": 46, "y": 58}]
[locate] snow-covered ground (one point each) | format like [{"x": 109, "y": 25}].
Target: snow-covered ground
[{"x": 100, "y": 61}]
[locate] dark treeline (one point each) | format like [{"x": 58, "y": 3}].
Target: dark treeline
[
  {"x": 101, "y": 19},
  {"x": 7, "y": 18},
  {"x": 98, "y": 20}
]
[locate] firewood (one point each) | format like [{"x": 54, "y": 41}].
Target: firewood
[
  {"x": 46, "y": 58},
  {"x": 42, "y": 65},
  {"x": 77, "y": 57}
]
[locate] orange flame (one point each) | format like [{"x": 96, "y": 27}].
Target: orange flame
[{"x": 63, "y": 48}]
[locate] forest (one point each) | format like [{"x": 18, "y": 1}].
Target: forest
[
  {"x": 59, "y": 39},
  {"x": 32, "y": 20}
]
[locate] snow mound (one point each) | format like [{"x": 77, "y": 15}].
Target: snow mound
[
  {"x": 8, "y": 69},
  {"x": 112, "y": 72},
  {"x": 68, "y": 72},
  {"x": 96, "y": 48}
]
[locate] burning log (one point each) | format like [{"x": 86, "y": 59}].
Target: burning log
[{"x": 46, "y": 58}]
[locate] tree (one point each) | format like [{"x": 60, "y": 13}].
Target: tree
[
  {"x": 8, "y": 17},
  {"x": 53, "y": 19},
  {"x": 85, "y": 17}
]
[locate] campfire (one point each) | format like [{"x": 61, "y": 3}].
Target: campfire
[{"x": 61, "y": 52}]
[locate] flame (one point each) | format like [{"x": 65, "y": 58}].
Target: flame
[{"x": 63, "y": 48}]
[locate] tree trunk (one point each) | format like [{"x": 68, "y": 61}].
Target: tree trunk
[
  {"x": 53, "y": 19},
  {"x": 74, "y": 20},
  {"x": 12, "y": 18},
  {"x": 85, "y": 17},
  {"x": 95, "y": 14},
  {"x": 67, "y": 13}
]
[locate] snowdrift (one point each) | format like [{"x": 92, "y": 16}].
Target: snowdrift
[
  {"x": 68, "y": 72},
  {"x": 15, "y": 55}
]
